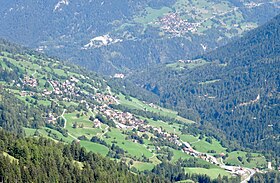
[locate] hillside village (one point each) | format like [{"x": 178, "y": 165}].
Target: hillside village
[
  {"x": 174, "y": 24},
  {"x": 92, "y": 102},
  {"x": 124, "y": 120}
]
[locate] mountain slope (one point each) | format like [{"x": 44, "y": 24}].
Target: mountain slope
[
  {"x": 261, "y": 43},
  {"x": 123, "y": 35},
  {"x": 235, "y": 88},
  {"x": 22, "y": 158},
  {"x": 41, "y": 96}
]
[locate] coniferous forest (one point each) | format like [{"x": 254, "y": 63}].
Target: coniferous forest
[
  {"x": 164, "y": 91},
  {"x": 235, "y": 89}
]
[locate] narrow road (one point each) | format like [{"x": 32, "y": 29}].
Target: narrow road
[
  {"x": 248, "y": 172},
  {"x": 51, "y": 85},
  {"x": 73, "y": 137},
  {"x": 101, "y": 134},
  {"x": 33, "y": 73},
  {"x": 65, "y": 120}
]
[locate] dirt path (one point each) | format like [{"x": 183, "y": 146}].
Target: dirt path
[{"x": 102, "y": 134}]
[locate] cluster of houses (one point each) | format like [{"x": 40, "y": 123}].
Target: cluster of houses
[
  {"x": 173, "y": 23},
  {"x": 190, "y": 61},
  {"x": 26, "y": 93},
  {"x": 67, "y": 87},
  {"x": 51, "y": 119},
  {"x": 105, "y": 98},
  {"x": 96, "y": 123},
  {"x": 122, "y": 119},
  {"x": 30, "y": 81},
  {"x": 171, "y": 137}
]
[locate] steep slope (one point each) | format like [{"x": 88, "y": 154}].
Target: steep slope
[
  {"x": 23, "y": 158},
  {"x": 261, "y": 43},
  {"x": 123, "y": 35},
  {"x": 235, "y": 88},
  {"x": 41, "y": 96}
]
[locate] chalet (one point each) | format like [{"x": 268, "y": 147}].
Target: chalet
[
  {"x": 96, "y": 123},
  {"x": 73, "y": 79},
  {"x": 23, "y": 93},
  {"x": 51, "y": 119}
]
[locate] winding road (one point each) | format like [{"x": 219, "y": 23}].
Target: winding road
[{"x": 247, "y": 172}]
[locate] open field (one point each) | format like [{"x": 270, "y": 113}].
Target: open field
[
  {"x": 12, "y": 159},
  {"x": 141, "y": 166},
  {"x": 212, "y": 172},
  {"x": 134, "y": 103},
  {"x": 179, "y": 154},
  {"x": 94, "y": 147},
  {"x": 256, "y": 160},
  {"x": 188, "y": 138},
  {"x": 44, "y": 133},
  {"x": 151, "y": 15},
  {"x": 132, "y": 148},
  {"x": 203, "y": 146}
]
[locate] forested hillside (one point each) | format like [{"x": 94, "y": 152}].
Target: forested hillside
[
  {"x": 44, "y": 98},
  {"x": 121, "y": 36},
  {"x": 176, "y": 103},
  {"x": 43, "y": 160},
  {"x": 235, "y": 88}
]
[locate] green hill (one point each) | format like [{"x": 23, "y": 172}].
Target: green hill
[{"x": 42, "y": 97}]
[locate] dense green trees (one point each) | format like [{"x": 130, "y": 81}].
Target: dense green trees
[
  {"x": 43, "y": 160},
  {"x": 177, "y": 173},
  {"x": 105, "y": 120},
  {"x": 14, "y": 114},
  {"x": 236, "y": 90},
  {"x": 269, "y": 177}
]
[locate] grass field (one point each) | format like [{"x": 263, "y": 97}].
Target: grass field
[
  {"x": 181, "y": 66},
  {"x": 204, "y": 146},
  {"x": 12, "y": 159},
  {"x": 151, "y": 15},
  {"x": 90, "y": 146},
  {"x": 82, "y": 119},
  {"x": 257, "y": 160},
  {"x": 134, "y": 149},
  {"x": 177, "y": 154},
  {"x": 169, "y": 128},
  {"x": 141, "y": 166},
  {"x": 212, "y": 172},
  {"x": 188, "y": 138},
  {"x": 137, "y": 104},
  {"x": 176, "y": 66},
  {"x": 134, "y": 103},
  {"x": 44, "y": 133},
  {"x": 94, "y": 147}
]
